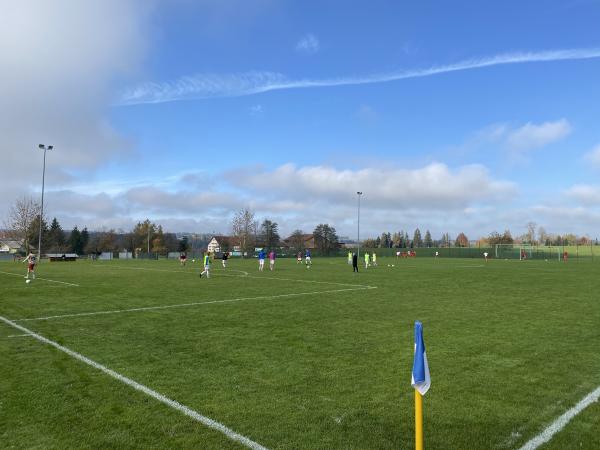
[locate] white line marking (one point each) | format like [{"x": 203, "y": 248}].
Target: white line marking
[
  {"x": 563, "y": 420},
  {"x": 243, "y": 276},
  {"x": 146, "y": 390},
  {"x": 183, "y": 305},
  {"x": 38, "y": 278},
  {"x": 18, "y": 335}
]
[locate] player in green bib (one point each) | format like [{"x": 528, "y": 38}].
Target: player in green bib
[{"x": 206, "y": 261}]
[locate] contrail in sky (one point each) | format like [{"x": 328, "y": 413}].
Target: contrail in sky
[{"x": 202, "y": 86}]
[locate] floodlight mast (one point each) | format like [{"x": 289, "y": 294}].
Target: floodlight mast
[
  {"x": 42, "y": 147},
  {"x": 358, "y": 227}
]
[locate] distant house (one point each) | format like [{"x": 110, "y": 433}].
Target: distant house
[
  {"x": 11, "y": 246},
  {"x": 223, "y": 243}
]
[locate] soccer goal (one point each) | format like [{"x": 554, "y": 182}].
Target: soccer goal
[
  {"x": 526, "y": 251},
  {"x": 507, "y": 251}
]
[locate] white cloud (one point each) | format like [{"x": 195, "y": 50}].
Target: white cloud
[
  {"x": 531, "y": 136},
  {"x": 296, "y": 197},
  {"x": 59, "y": 61},
  {"x": 200, "y": 86},
  {"x": 308, "y": 44},
  {"x": 593, "y": 156},
  {"x": 256, "y": 110},
  {"x": 434, "y": 186},
  {"x": 585, "y": 194}
]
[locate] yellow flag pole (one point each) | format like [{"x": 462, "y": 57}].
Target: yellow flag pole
[{"x": 418, "y": 421}]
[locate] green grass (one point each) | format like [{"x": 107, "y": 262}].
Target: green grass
[{"x": 511, "y": 346}]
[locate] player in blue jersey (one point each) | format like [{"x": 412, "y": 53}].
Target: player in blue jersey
[{"x": 261, "y": 260}]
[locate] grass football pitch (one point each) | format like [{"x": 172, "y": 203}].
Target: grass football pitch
[{"x": 298, "y": 358}]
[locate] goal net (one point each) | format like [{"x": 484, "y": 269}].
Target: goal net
[{"x": 525, "y": 251}]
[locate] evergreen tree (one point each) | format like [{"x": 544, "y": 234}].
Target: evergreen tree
[
  {"x": 269, "y": 234},
  {"x": 417, "y": 240},
  {"x": 428, "y": 242},
  {"x": 183, "y": 245},
  {"x": 85, "y": 238},
  {"x": 75, "y": 241},
  {"x": 445, "y": 242},
  {"x": 384, "y": 240},
  {"x": 56, "y": 237}
]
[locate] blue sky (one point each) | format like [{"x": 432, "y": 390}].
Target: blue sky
[{"x": 185, "y": 111}]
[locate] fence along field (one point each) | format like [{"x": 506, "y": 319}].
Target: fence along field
[{"x": 510, "y": 350}]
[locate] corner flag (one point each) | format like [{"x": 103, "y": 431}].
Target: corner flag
[{"x": 420, "y": 372}]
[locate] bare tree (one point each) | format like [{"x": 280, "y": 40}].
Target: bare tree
[
  {"x": 543, "y": 236},
  {"x": 296, "y": 241},
  {"x": 326, "y": 239},
  {"x": 19, "y": 219},
  {"x": 531, "y": 227},
  {"x": 244, "y": 228}
]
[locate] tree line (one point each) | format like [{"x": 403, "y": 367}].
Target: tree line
[
  {"x": 23, "y": 224},
  {"x": 250, "y": 234},
  {"x": 534, "y": 236}
]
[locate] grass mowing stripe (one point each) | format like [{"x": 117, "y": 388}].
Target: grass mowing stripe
[
  {"x": 182, "y": 305},
  {"x": 146, "y": 390},
  {"x": 39, "y": 278},
  {"x": 563, "y": 420},
  {"x": 246, "y": 275}
]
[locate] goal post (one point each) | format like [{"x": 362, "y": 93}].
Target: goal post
[{"x": 527, "y": 251}]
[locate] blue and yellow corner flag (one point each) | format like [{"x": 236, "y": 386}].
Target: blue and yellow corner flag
[{"x": 420, "y": 372}]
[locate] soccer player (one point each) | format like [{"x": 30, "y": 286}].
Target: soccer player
[
  {"x": 224, "y": 260},
  {"x": 31, "y": 261},
  {"x": 261, "y": 260},
  {"x": 307, "y": 258},
  {"x": 299, "y": 258},
  {"x": 366, "y": 260},
  {"x": 374, "y": 259},
  {"x": 182, "y": 259},
  {"x": 354, "y": 262},
  {"x": 437, "y": 254},
  {"x": 485, "y": 255},
  {"x": 271, "y": 260},
  {"x": 206, "y": 262},
  {"x": 349, "y": 258}
]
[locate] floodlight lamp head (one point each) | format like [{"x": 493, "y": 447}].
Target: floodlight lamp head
[
  {"x": 41, "y": 146},
  {"x": 359, "y": 193},
  {"x": 50, "y": 147}
]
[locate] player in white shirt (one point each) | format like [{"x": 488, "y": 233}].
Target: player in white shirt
[{"x": 31, "y": 262}]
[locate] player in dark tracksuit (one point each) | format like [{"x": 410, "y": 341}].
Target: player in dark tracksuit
[{"x": 354, "y": 262}]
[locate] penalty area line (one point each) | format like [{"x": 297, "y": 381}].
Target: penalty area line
[
  {"x": 211, "y": 423},
  {"x": 183, "y": 305},
  {"x": 562, "y": 421},
  {"x": 39, "y": 278}
]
